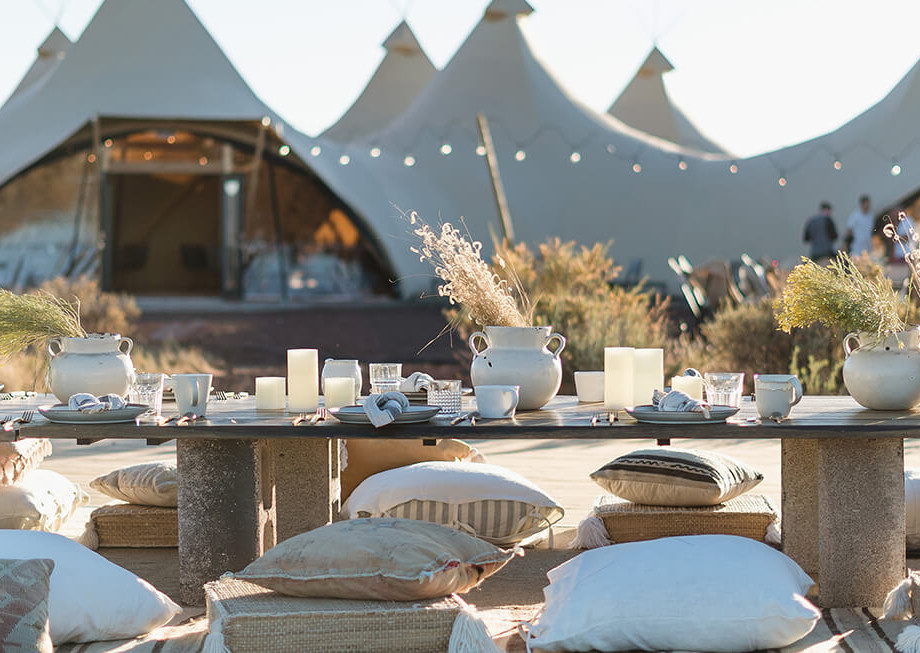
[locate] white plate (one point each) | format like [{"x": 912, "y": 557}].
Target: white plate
[
  {"x": 651, "y": 415},
  {"x": 61, "y": 414},
  {"x": 414, "y": 415}
]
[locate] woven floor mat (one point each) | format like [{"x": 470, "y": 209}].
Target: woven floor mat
[{"x": 187, "y": 637}]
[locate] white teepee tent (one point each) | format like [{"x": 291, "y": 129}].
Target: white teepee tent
[
  {"x": 646, "y": 105},
  {"x": 50, "y": 53},
  {"x": 403, "y": 73}
]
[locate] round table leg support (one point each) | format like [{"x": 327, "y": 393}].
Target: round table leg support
[{"x": 860, "y": 520}]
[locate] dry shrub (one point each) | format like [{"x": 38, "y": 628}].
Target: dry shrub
[
  {"x": 100, "y": 312},
  {"x": 172, "y": 358}
]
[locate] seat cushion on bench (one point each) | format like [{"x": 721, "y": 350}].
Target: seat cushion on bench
[
  {"x": 748, "y": 515},
  {"x": 253, "y": 619},
  {"x": 133, "y": 526}
]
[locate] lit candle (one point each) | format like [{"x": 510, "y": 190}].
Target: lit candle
[
  {"x": 303, "y": 384},
  {"x": 648, "y": 375},
  {"x": 270, "y": 392},
  {"x": 692, "y": 385},
  {"x": 339, "y": 391},
  {"x": 618, "y": 377}
]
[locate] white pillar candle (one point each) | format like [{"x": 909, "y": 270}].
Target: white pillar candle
[
  {"x": 692, "y": 385},
  {"x": 648, "y": 375},
  {"x": 302, "y": 379},
  {"x": 618, "y": 377},
  {"x": 340, "y": 391},
  {"x": 270, "y": 392}
]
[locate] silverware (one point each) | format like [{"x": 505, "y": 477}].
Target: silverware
[
  {"x": 25, "y": 419},
  {"x": 467, "y": 416},
  {"x": 187, "y": 419},
  {"x": 220, "y": 395},
  {"x": 299, "y": 419},
  {"x": 321, "y": 415}
]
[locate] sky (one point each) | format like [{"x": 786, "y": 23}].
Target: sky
[{"x": 754, "y": 76}]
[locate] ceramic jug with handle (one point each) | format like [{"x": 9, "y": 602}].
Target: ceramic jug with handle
[
  {"x": 883, "y": 373},
  {"x": 519, "y": 356},
  {"x": 99, "y": 364}
]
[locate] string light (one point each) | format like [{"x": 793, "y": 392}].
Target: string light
[
  {"x": 148, "y": 155},
  {"x": 409, "y": 161},
  {"x": 480, "y": 150},
  {"x": 611, "y": 149},
  {"x": 284, "y": 150},
  {"x": 344, "y": 160},
  {"x": 575, "y": 157},
  {"x": 837, "y": 164},
  {"x": 203, "y": 161},
  {"x": 733, "y": 168},
  {"x": 637, "y": 168},
  {"x": 109, "y": 142},
  {"x": 315, "y": 150},
  {"x": 171, "y": 139},
  {"x": 682, "y": 165},
  {"x": 520, "y": 155},
  {"x": 781, "y": 181},
  {"x": 266, "y": 121},
  {"x": 375, "y": 152},
  {"x": 895, "y": 170},
  {"x": 91, "y": 158},
  {"x": 446, "y": 149}
]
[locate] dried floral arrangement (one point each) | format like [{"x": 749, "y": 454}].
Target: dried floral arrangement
[
  {"x": 29, "y": 319},
  {"x": 467, "y": 280},
  {"x": 840, "y": 297}
]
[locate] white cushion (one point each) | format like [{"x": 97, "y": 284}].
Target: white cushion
[
  {"x": 699, "y": 593},
  {"x": 91, "y": 598},
  {"x": 41, "y": 500},
  {"x": 486, "y": 501},
  {"x": 17, "y": 458},
  {"x": 147, "y": 484}
]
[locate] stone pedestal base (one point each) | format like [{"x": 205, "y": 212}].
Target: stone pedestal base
[{"x": 800, "y": 503}]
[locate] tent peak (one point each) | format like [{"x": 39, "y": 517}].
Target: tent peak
[
  {"x": 500, "y": 9},
  {"x": 55, "y": 45},
  {"x": 655, "y": 64},
  {"x": 402, "y": 40}
]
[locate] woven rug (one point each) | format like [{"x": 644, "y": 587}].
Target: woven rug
[{"x": 187, "y": 637}]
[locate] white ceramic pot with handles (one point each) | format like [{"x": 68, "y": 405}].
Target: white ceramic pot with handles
[
  {"x": 99, "y": 364},
  {"x": 883, "y": 373},
  {"x": 519, "y": 356}
]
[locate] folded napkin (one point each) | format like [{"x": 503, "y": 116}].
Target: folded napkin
[
  {"x": 415, "y": 382},
  {"x": 87, "y": 403},
  {"x": 679, "y": 402},
  {"x": 383, "y": 409}
]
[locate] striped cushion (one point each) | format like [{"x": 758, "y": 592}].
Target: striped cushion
[
  {"x": 24, "y": 587},
  {"x": 667, "y": 476}
]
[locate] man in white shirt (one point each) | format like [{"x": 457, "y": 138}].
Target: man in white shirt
[{"x": 859, "y": 228}]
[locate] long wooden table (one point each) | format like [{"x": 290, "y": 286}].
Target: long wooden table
[{"x": 248, "y": 478}]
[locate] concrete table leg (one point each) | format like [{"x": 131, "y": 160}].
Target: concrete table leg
[
  {"x": 307, "y": 485},
  {"x": 224, "y": 521},
  {"x": 860, "y": 520},
  {"x": 800, "y": 502}
]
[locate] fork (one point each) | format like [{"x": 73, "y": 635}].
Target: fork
[
  {"x": 25, "y": 419},
  {"x": 220, "y": 395},
  {"x": 300, "y": 419},
  {"x": 321, "y": 415}
]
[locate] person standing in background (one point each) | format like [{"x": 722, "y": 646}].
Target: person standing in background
[
  {"x": 821, "y": 234},
  {"x": 859, "y": 229}
]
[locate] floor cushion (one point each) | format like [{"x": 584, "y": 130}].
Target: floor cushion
[
  {"x": 146, "y": 484},
  {"x": 40, "y": 500},
  {"x": 669, "y": 476},
  {"x": 17, "y": 458},
  {"x": 389, "y": 559},
  {"x": 486, "y": 501},
  {"x": 90, "y": 598},
  {"x": 24, "y": 589},
  {"x": 700, "y": 593}
]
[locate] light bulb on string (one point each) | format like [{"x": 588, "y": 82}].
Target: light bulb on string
[
  {"x": 838, "y": 164},
  {"x": 895, "y": 169},
  {"x": 446, "y": 149},
  {"x": 266, "y": 121},
  {"x": 344, "y": 160},
  {"x": 480, "y": 150},
  {"x": 203, "y": 161},
  {"x": 637, "y": 168},
  {"x": 375, "y": 152},
  {"x": 315, "y": 150},
  {"x": 109, "y": 142},
  {"x": 284, "y": 150},
  {"x": 681, "y": 165},
  {"x": 575, "y": 157},
  {"x": 520, "y": 155},
  {"x": 733, "y": 168},
  {"x": 781, "y": 181},
  {"x": 409, "y": 161},
  {"x": 611, "y": 148},
  {"x": 91, "y": 158}
]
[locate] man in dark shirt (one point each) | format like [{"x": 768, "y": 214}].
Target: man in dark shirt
[{"x": 821, "y": 233}]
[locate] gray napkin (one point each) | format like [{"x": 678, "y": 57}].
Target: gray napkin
[
  {"x": 87, "y": 403},
  {"x": 415, "y": 382},
  {"x": 383, "y": 409},
  {"x": 679, "y": 402}
]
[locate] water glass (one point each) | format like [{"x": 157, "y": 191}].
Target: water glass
[
  {"x": 446, "y": 395},
  {"x": 148, "y": 389},
  {"x": 384, "y": 377},
  {"x": 724, "y": 388}
]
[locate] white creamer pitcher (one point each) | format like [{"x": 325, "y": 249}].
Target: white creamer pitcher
[{"x": 99, "y": 364}]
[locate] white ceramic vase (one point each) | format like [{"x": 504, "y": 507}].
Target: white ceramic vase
[
  {"x": 344, "y": 367},
  {"x": 883, "y": 374},
  {"x": 519, "y": 356},
  {"x": 99, "y": 364}
]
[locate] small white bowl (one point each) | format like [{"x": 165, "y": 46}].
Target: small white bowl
[{"x": 589, "y": 386}]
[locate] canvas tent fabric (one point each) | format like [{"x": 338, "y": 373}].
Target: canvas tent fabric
[
  {"x": 646, "y": 105},
  {"x": 403, "y": 73},
  {"x": 50, "y": 53}
]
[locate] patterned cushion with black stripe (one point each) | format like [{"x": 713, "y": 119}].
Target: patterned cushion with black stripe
[{"x": 667, "y": 476}]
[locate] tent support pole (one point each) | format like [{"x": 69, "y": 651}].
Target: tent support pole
[
  {"x": 253, "y": 184},
  {"x": 279, "y": 240},
  {"x": 498, "y": 189}
]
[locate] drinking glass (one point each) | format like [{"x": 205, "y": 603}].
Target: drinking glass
[
  {"x": 724, "y": 388},
  {"x": 445, "y": 394},
  {"x": 148, "y": 389},
  {"x": 384, "y": 377}
]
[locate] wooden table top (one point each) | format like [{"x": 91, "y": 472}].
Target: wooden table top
[{"x": 563, "y": 418}]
